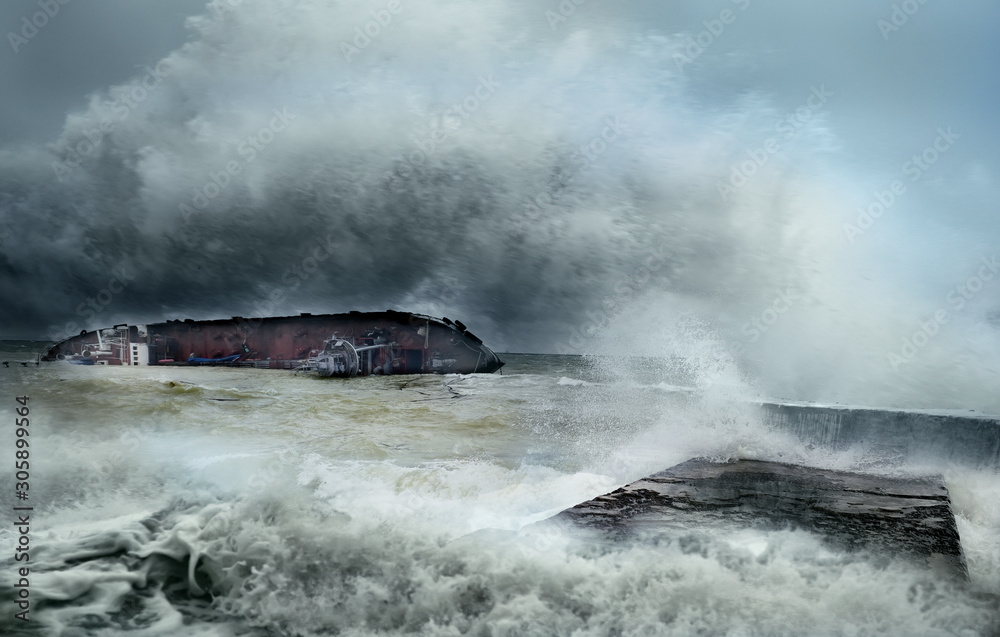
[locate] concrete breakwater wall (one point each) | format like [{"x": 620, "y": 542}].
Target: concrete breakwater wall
[{"x": 969, "y": 440}]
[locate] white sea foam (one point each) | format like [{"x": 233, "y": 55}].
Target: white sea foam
[
  {"x": 413, "y": 511},
  {"x": 378, "y": 506}
]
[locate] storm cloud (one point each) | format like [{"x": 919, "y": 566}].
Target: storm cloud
[{"x": 569, "y": 177}]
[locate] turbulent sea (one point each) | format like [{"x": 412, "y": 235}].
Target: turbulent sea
[{"x": 222, "y": 502}]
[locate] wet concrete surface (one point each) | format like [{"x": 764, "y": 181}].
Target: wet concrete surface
[{"x": 891, "y": 516}]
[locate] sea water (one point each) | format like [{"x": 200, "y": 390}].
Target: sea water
[{"x": 223, "y": 502}]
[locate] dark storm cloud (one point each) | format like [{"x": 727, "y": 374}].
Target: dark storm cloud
[
  {"x": 80, "y": 48},
  {"x": 211, "y": 176}
]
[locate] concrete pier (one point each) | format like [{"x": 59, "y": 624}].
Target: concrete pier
[{"x": 907, "y": 517}]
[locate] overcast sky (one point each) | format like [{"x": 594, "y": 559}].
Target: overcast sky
[
  {"x": 934, "y": 67},
  {"x": 330, "y": 135},
  {"x": 85, "y": 47}
]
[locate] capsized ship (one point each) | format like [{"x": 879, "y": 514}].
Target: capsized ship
[{"x": 351, "y": 344}]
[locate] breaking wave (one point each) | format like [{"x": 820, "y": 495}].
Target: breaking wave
[{"x": 558, "y": 187}]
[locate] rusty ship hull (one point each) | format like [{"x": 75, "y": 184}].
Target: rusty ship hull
[{"x": 387, "y": 342}]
